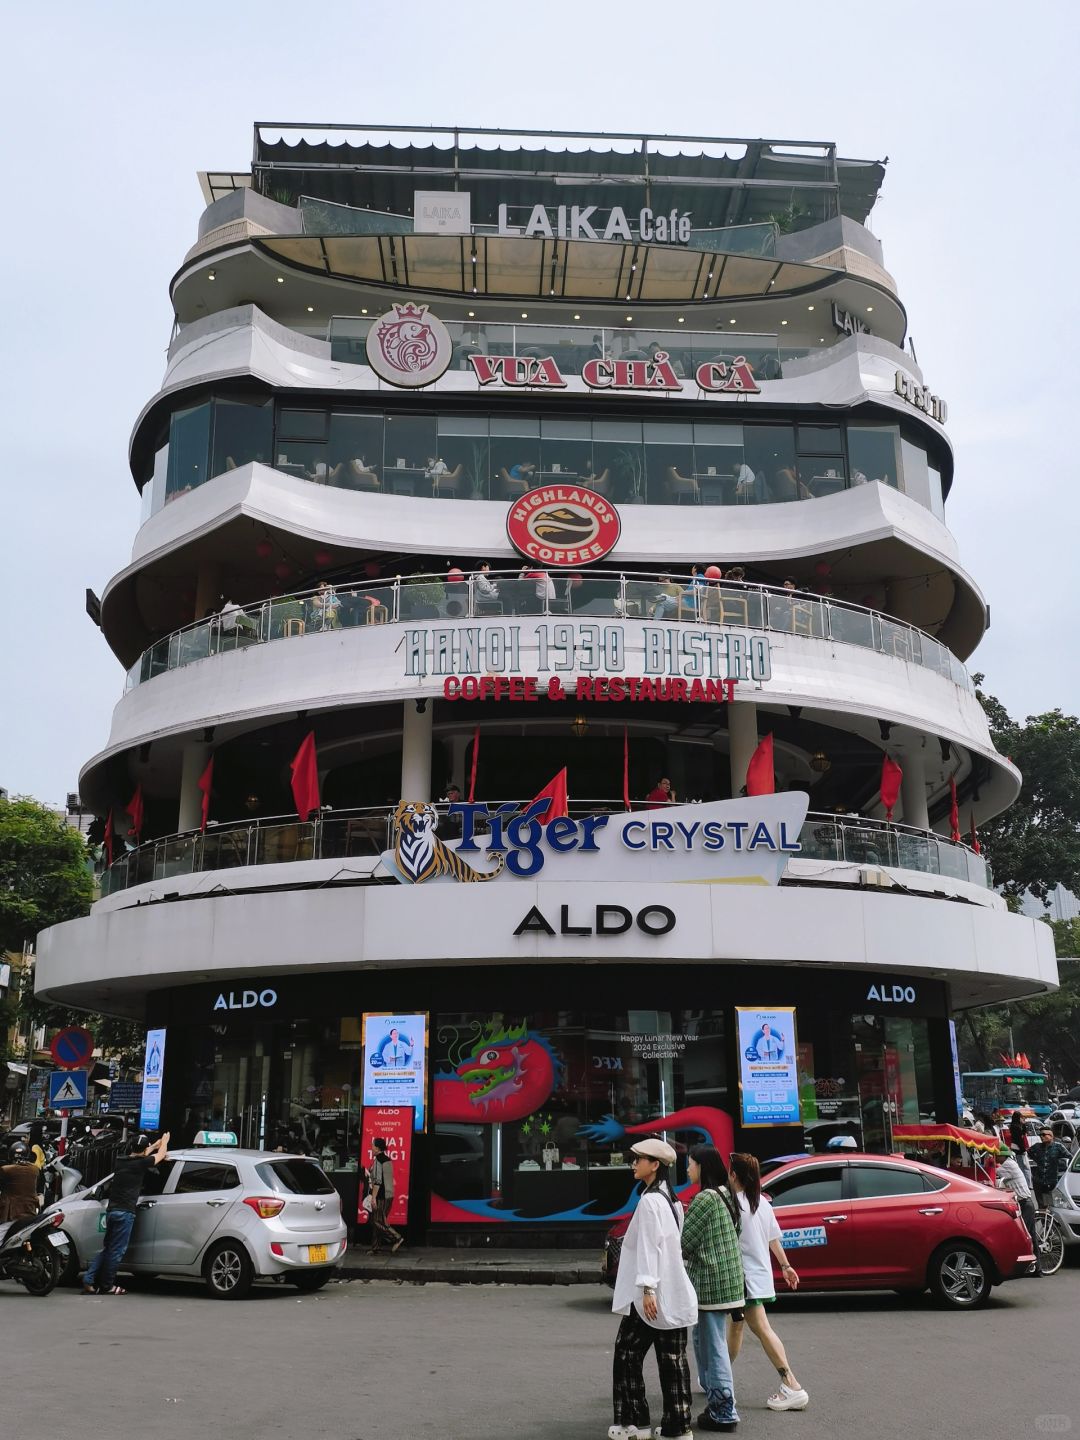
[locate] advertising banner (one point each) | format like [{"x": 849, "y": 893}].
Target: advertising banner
[
  {"x": 153, "y": 1074},
  {"x": 395, "y": 1061},
  {"x": 394, "y": 1124},
  {"x": 768, "y": 1066}
]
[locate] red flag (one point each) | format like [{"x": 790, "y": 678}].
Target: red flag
[
  {"x": 760, "y": 776},
  {"x": 625, "y": 769},
  {"x": 975, "y": 836},
  {"x": 954, "y": 813},
  {"x": 108, "y": 837},
  {"x": 557, "y": 798},
  {"x": 305, "y": 777},
  {"x": 891, "y": 775},
  {"x": 475, "y": 758},
  {"x": 135, "y": 811},
  {"x": 206, "y": 780}
]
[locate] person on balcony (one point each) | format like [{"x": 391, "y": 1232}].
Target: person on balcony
[{"x": 485, "y": 589}]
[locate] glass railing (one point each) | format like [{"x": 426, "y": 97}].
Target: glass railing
[
  {"x": 364, "y": 834},
  {"x": 571, "y": 346},
  {"x": 350, "y": 604}
]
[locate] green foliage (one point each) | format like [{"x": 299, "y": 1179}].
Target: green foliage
[
  {"x": 44, "y": 872},
  {"x": 1035, "y": 845}
]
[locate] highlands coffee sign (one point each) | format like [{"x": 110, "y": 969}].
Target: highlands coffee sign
[{"x": 563, "y": 525}]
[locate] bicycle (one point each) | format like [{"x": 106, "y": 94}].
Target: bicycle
[{"x": 1051, "y": 1243}]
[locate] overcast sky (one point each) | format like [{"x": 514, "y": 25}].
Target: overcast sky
[{"x": 109, "y": 111}]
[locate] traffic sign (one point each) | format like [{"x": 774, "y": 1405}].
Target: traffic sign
[
  {"x": 73, "y": 1048},
  {"x": 67, "y": 1089}
]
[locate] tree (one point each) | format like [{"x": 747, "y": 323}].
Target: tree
[
  {"x": 1035, "y": 844},
  {"x": 45, "y": 874}
]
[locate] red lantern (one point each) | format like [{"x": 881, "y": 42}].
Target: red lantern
[
  {"x": 823, "y": 568},
  {"x": 264, "y": 549},
  {"x": 323, "y": 558},
  {"x": 713, "y": 572},
  {"x": 454, "y": 575},
  {"x": 282, "y": 571},
  {"x": 371, "y": 569},
  {"x": 868, "y": 601}
]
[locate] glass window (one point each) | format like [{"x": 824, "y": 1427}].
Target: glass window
[
  {"x": 515, "y": 455},
  {"x": 410, "y": 454},
  {"x": 189, "y": 450},
  {"x": 816, "y": 1186},
  {"x": 719, "y": 468},
  {"x": 204, "y": 1175},
  {"x": 296, "y": 1177},
  {"x": 819, "y": 440},
  {"x": 915, "y": 471},
  {"x": 154, "y": 1180},
  {"x": 153, "y": 491},
  {"x": 566, "y": 451},
  {"x": 872, "y": 452},
  {"x": 870, "y": 1182},
  {"x": 769, "y": 451},
  {"x": 617, "y": 450},
  {"x": 242, "y": 433},
  {"x": 464, "y": 450},
  {"x": 354, "y": 454},
  {"x": 669, "y": 465},
  {"x": 301, "y": 424},
  {"x": 937, "y": 497}
]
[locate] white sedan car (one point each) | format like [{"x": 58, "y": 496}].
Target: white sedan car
[
  {"x": 226, "y": 1215},
  {"x": 1066, "y": 1202}
]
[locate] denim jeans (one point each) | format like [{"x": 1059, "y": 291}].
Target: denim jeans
[
  {"x": 714, "y": 1364},
  {"x": 101, "y": 1271}
]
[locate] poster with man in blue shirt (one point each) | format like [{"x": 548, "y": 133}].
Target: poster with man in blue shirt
[
  {"x": 395, "y": 1054},
  {"x": 768, "y": 1066}
]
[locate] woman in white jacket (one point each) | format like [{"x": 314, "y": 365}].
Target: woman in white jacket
[{"x": 654, "y": 1296}]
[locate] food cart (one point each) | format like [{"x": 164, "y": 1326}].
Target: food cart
[{"x": 967, "y": 1152}]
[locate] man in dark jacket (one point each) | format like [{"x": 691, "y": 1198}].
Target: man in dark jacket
[
  {"x": 1049, "y": 1160},
  {"x": 124, "y": 1190}
]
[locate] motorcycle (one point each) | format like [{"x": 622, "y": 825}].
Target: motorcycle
[{"x": 35, "y": 1252}]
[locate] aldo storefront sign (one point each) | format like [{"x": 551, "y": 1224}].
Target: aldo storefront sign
[
  {"x": 246, "y": 1000},
  {"x": 602, "y": 920}
]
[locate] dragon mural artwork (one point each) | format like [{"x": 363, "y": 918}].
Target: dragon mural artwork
[{"x": 508, "y": 1074}]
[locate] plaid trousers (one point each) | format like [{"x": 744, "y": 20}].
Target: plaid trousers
[{"x": 633, "y": 1342}]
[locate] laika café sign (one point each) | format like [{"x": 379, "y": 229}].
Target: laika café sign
[
  {"x": 590, "y": 222},
  {"x": 563, "y": 525},
  {"x": 569, "y": 651},
  {"x": 746, "y": 841}
]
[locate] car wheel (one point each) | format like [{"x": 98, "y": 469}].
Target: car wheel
[
  {"x": 311, "y": 1280},
  {"x": 960, "y": 1276},
  {"x": 228, "y": 1272}
]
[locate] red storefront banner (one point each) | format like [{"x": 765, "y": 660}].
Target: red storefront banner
[
  {"x": 394, "y": 1123},
  {"x": 599, "y": 688}
]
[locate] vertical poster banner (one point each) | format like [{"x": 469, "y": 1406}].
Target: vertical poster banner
[
  {"x": 394, "y": 1124},
  {"x": 153, "y": 1074},
  {"x": 768, "y": 1066},
  {"x": 956, "y": 1073},
  {"x": 395, "y": 1061}
]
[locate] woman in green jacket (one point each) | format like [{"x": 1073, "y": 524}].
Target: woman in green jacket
[{"x": 710, "y": 1246}]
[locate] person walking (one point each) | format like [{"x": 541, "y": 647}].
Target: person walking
[
  {"x": 1011, "y": 1177},
  {"x": 1049, "y": 1160},
  {"x": 760, "y": 1236},
  {"x": 124, "y": 1190},
  {"x": 1016, "y": 1139},
  {"x": 710, "y": 1247},
  {"x": 382, "y": 1194},
  {"x": 654, "y": 1296}
]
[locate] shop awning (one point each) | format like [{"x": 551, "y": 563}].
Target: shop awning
[{"x": 947, "y": 1135}]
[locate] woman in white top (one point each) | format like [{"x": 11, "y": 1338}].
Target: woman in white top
[
  {"x": 759, "y": 1236},
  {"x": 654, "y": 1296}
]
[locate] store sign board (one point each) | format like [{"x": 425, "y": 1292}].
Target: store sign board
[
  {"x": 395, "y": 1061},
  {"x": 394, "y": 1124},
  {"x": 525, "y": 372},
  {"x": 847, "y": 323},
  {"x": 909, "y": 389},
  {"x": 153, "y": 1076},
  {"x": 563, "y": 525},
  {"x": 409, "y": 347},
  {"x": 553, "y": 649},
  {"x": 590, "y": 222},
  {"x": 768, "y": 1066},
  {"x": 442, "y": 212},
  {"x": 735, "y": 842}
]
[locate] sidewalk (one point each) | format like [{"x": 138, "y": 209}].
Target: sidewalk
[{"x": 461, "y": 1266}]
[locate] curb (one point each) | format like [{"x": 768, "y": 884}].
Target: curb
[{"x": 422, "y": 1270}]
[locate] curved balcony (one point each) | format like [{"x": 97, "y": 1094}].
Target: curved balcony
[
  {"x": 664, "y": 597},
  {"x": 365, "y": 833}
]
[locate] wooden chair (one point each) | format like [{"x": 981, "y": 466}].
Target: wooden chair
[
  {"x": 377, "y": 613},
  {"x": 600, "y": 483},
  {"x": 511, "y": 487},
  {"x": 682, "y": 487},
  {"x": 358, "y": 477},
  {"x": 450, "y": 484},
  {"x": 734, "y": 608}
]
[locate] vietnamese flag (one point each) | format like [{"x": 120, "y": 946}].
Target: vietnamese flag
[
  {"x": 109, "y": 837},
  {"x": 975, "y": 836},
  {"x": 305, "y": 777},
  {"x": 135, "y": 811},
  {"x": 760, "y": 775},
  {"x": 557, "y": 798},
  {"x": 891, "y": 775},
  {"x": 625, "y": 768},
  {"x": 954, "y": 814},
  {"x": 206, "y": 780},
  {"x": 475, "y": 758}
]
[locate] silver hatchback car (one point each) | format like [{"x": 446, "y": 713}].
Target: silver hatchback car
[{"x": 227, "y": 1215}]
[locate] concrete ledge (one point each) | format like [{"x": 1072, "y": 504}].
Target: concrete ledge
[{"x": 474, "y": 1267}]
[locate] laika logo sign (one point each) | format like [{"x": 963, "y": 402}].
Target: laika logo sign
[
  {"x": 563, "y": 525},
  {"x": 408, "y": 346}
]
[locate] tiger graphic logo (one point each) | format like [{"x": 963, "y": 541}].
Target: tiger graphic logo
[{"x": 419, "y": 853}]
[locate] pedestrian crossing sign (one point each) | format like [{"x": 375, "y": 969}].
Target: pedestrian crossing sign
[{"x": 67, "y": 1089}]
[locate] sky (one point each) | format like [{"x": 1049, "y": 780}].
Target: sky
[{"x": 110, "y": 110}]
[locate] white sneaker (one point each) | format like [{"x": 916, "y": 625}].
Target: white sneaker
[
  {"x": 686, "y": 1435},
  {"x": 629, "y": 1432},
  {"x": 788, "y": 1399}
]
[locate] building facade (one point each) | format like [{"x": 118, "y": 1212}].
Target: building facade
[{"x": 489, "y": 462}]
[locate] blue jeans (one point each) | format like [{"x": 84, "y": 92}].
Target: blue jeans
[
  {"x": 101, "y": 1271},
  {"x": 714, "y": 1364}
]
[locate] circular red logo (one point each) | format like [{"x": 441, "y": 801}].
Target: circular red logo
[{"x": 563, "y": 525}]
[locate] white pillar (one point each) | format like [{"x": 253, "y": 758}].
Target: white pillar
[
  {"x": 913, "y": 789},
  {"x": 416, "y": 750},
  {"x": 193, "y": 763},
  {"x": 742, "y": 741}
]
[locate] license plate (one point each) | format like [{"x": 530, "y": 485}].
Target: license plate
[
  {"x": 316, "y": 1254},
  {"x": 57, "y": 1239}
]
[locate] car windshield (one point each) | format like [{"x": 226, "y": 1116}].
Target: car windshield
[{"x": 297, "y": 1177}]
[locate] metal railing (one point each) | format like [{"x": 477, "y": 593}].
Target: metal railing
[
  {"x": 662, "y": 596},
  {"x": 365, "y": 833}
]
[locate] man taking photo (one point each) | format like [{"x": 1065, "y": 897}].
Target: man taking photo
[
  {"x": 1049, "y": 1160},
  {"x": 124, "y": 1190}
]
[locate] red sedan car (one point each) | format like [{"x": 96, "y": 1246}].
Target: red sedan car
[{"x": 876, "y": 1222}]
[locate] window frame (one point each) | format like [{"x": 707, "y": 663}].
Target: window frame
[
  {"x": 887, "y": 1167},
  {"x": 836, "y": 1167}
]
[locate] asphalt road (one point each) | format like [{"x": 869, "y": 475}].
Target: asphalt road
[{"x": 383, "y": 1361}]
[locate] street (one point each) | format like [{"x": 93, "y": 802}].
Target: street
[{"x": 385, "y": 1361}]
